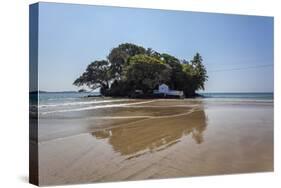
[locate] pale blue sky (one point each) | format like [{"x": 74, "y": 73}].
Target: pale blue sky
[{"x": 72, "y": 36}]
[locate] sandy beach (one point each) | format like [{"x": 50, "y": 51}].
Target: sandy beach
[{"x": 151, "y": 139}]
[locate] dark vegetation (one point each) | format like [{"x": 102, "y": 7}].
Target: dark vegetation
[{"x": 130, "y": 68}]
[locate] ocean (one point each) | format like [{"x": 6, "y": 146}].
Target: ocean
[
  {"x": 58, "y": 102},
  {"x": 57, "y": 97},
  {"x": 244, "y": 96}
]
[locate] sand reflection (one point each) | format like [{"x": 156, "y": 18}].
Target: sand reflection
[{"x": 152, "y": 135}]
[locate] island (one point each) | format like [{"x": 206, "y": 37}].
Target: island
[{"x": 133, "y": 71}]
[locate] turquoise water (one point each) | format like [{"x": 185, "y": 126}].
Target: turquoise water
[
  {"x": 245, "y": 96},
  {"x": 52, "y": 102},
  {"x": 54, "y": 97},
  {"x": 60, "y": 97}
]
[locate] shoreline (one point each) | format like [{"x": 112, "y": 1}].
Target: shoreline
[{"x": 192, "y": 138}]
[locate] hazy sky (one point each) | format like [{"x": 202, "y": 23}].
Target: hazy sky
[{"x": 237, "y": 50}]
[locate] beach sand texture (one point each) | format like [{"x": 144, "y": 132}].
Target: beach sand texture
[{"x": 150, "y": 139}]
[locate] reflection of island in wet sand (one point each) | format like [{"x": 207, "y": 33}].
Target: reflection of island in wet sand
[
  {"x": 153, "y": 135},
  {"x": 155, "y": 139}
]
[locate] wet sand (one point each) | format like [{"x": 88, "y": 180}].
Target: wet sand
[{"x": 151, "y": 139}]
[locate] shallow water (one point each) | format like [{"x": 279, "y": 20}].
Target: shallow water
[{"x": 155, "y": 139}]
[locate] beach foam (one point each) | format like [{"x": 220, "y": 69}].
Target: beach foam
[
  {"x": 97, "y": 107},
  {"x": 81, "y": 103}
]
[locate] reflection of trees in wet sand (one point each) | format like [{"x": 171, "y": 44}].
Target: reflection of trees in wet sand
[{"x": 154, "y": 134}]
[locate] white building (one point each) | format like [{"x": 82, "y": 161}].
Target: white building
[{"x": 164, "y": 89}]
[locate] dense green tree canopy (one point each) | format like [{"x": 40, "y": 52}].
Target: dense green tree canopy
[
  {"x": 130, "y": 67},
  {"x": 198, "y": 71},
  {"x": 118, "y": 57},
  {"x": 146, "y": 73}
]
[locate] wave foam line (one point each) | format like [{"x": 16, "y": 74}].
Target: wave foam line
[
  {"x": 81, "y": 103},
  {"x": 149, "y": 117},
  {"x": 97, "y": 107},
  {"x": 165, "y": 106},
  {"x": 119, "y": 117}
]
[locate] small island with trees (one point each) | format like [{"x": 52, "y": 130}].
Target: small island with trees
[{"x": 131, "y": 70}]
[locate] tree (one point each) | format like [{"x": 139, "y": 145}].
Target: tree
[
  {"x": 96, "y": 76},
  {"x": 130, "y": 67},
  {"x": 177, "y": 80},
  {"x": 189, "y": 87},
  {"x": 146, "y": 73},
  {"x": 118, "y": 57},
  {"x": 152, "y": 53},
  {"x": 121, "y": 88},
  {"x": 171, "y": 60},
  {"x": 198, "y": 72},
  {"x": 184, "y": 62}
]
